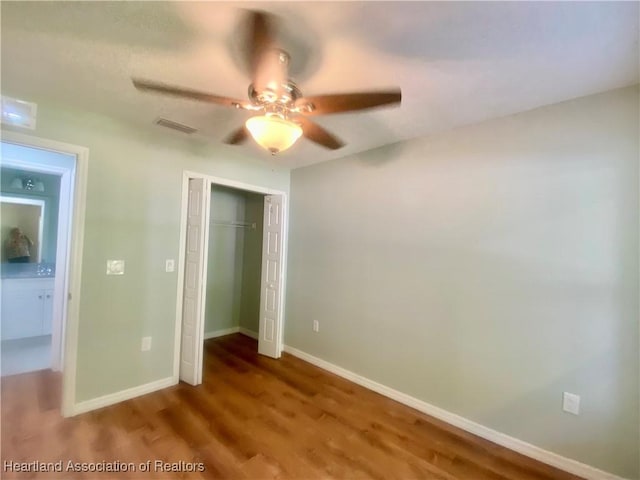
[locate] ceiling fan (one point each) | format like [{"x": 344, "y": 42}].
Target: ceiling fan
[{"x": 281, "y": 110}]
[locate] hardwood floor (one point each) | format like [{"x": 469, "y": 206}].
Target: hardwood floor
[{"x": 253, "y": 417}]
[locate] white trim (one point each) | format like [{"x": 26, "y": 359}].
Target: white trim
[
  {"x": 234, "y": 184},
  {"x": 204, "y": 258},
  {"x": 63, "y": 253},
  {"x": 181, "y": 259},
  {"x": 572, "y": 466},
  {"x": 21, "y": 200},
  {"x": 221, "y": 333},
  {"x": 228, "y": 331},
  {"x": 70, "y": 275},
  {"x": 248, "y": 333},
  {"x": 123, "y": 395},
  {"x": 283, "y": 270}
]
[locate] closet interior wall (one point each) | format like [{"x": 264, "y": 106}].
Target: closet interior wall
[{"x": 234, "y": 262}]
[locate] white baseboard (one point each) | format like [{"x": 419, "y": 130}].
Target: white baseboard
[
  {"x": 249, "y": 333},
  {"x": 110, "y": 399},
  {"x": 221, "y": 333},
  {"x": 229, "y": 331},
  {"x": 572, "y": 466}
]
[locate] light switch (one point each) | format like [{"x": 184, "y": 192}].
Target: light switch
[
  {"x": 115, "y": 267},
  {"x": 169, "y": 265}
]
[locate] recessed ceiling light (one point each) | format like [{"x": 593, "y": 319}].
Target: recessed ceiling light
[{"x": 19, "y": 113}]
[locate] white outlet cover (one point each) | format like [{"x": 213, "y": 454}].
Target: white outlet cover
[
  {"x": 571, "y": 403},
  {"x": 115, "y": 267},
  {"x": 145, "y": 345}
]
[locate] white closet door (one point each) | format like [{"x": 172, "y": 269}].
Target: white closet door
[
  {"x": 192, "y": 309},
  {"x": 271, "y": 294}
]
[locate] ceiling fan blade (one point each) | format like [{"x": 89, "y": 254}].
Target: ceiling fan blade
[
  {"x": 348, "y": 102},
  {"x": 260, "y": 37},
  {"x": 319, "y": 135},
  {"x": 164, "y": 89},
  {"x": 262, "y": 52},
  {"x": 237, "y": 137}
]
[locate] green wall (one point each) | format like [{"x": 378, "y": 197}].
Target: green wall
[
  {"x": 224, "y": 272},
  {"x": 234, "y": 261},
  {"x": 133, "y": 213},
  {"x": 486, "y": 270}
]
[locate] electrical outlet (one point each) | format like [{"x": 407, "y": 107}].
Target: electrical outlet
[
  {"x": 169, "y": 265},
  {"x": 571, "y": 403},
  {"x": 316, "y": 326},
  {"x": 145, "y": 346}
]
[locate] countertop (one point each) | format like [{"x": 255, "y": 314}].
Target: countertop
[{"x": 27, "y": 270}]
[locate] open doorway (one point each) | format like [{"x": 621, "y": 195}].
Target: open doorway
[
  {"x": 31, "y": 208},
  {"x": 232, "y": 264},
  {"x": 27, "y": 277},
  {"x": 232, "y": 296},
  {"x": 39, "y": 318}
]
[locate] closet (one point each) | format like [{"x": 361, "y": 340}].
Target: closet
[{"x": 232, "y": 297}]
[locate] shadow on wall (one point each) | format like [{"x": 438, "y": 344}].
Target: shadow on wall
[{"x": 381, "y": 156}]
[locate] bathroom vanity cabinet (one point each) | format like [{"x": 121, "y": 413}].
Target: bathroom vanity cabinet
[{"x": 27, "y": 307}]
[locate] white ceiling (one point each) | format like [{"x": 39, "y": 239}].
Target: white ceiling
[{"x": 457, "y": 63}]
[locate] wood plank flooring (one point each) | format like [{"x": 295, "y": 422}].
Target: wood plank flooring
[{"x": 253, "y": 418}]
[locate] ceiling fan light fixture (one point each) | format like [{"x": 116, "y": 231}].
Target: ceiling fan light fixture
[{"x": 273, "y": 133}]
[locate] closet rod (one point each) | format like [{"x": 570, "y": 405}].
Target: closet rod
[{"x": 235, "y": 224}]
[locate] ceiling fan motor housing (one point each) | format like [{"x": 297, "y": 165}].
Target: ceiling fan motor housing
[{"x": 272, "y": 72}]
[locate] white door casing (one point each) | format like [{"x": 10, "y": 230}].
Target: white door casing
[
  {"x": 192, "y": 307},
  {"x": 271, "y": 285},
  {"x": 65, "y": 222}
]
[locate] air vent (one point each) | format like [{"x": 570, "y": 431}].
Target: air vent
[{"x": 163, "y": 122}]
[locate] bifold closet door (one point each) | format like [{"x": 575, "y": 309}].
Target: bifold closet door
[
  {"x": 193, "y": 300},
  {"x": 271, "y": 285}
]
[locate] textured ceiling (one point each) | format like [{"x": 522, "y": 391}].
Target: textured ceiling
[{"x": 456, "y": 62}]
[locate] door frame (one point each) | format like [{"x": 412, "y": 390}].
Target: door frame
[
  {"x": 210, "y": 181},
  {"x": 73, "y": 190}
]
